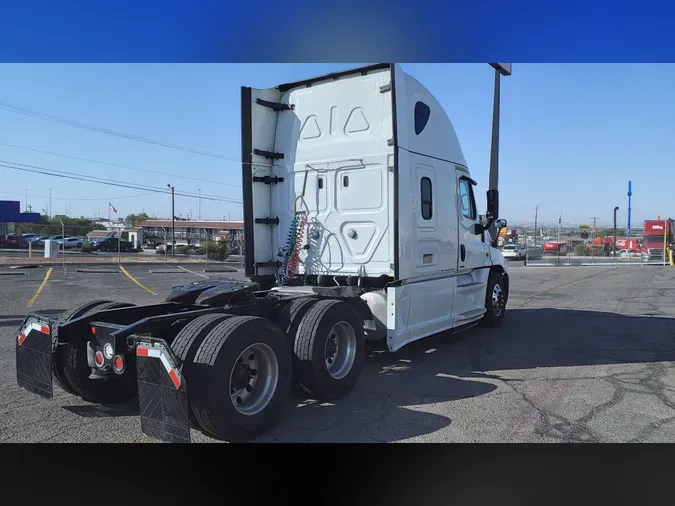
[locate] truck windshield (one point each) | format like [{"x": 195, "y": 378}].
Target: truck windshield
[{"x": 654, "y": 239}]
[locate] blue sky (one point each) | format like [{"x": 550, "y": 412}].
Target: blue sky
[{"x": 571, "y": 135}]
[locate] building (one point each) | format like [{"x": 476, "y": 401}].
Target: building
[
  {"x": 192, "y": 232},
  {"x": 11, "y": 217}
]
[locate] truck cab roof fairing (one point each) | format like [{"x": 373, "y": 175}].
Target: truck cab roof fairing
[{"x": 437, "y": 138}]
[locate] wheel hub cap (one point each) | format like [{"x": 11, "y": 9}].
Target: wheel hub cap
[
  {"x": 340, "y": 351},
  {"x": 497, "y": 300},
  {"x": 253, "y": 379}
]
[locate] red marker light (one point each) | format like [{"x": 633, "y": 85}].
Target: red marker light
[
  {"x": 93, "y": 330},
  {"x": 99, "y": 358},
  {"x": 118, "y": 363}
]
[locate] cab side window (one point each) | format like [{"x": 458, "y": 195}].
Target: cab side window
[{"x": 466, "y": 199}]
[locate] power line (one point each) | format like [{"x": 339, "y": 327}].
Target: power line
[
  {"x": 105, "y": 180},
  {"x": 109, "y": 182},
  {"x": 79, "y": 198},
  {"x": 116, "y": 165},
  {"x": 86, "y": 126}
]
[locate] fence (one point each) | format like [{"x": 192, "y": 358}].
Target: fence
[
  {"x": 78, "y": 245},
  {"x": 553, "y": 242}
]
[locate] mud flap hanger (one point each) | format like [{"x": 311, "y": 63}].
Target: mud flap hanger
[{"x": 162, "y": 392}]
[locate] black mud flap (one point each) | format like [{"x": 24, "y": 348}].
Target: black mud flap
[
  {"x": 34, "y": 356},
  {"x": 162, "y": 392}
]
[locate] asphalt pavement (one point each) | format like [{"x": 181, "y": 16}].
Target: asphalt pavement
[{"x": 585, "y": 354}]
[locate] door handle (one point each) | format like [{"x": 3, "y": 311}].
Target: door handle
[{"x": 462, "y": 252}]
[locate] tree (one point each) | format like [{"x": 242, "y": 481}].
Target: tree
[
  {"x": 136, "y": 219},
  {"x": 581, "y": 249}
]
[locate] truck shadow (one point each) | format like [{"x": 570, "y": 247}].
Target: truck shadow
[{"x": 413, "y": 392}]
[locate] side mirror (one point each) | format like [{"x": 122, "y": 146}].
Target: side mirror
[
  {"x": 492, "y": 211},
  {"x": 500, "y": 223}
]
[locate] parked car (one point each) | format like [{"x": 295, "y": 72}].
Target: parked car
[
  {"x": 109, "y": 244},
  {"x": 54, "y": 238},
  {"x": 629, "y": 253},
  {"x": 514, "y": 252},
  {"x": 10, "y": 241},
  {"x": 70, "y": 242}
]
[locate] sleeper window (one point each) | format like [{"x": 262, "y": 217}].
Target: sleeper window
[
  {"x": 426, "y": 196},
  {"x": 422, "y": 113}
]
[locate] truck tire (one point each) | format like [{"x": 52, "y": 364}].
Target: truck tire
[
  {"x": 187, "y": 342},
  {"x": 248, "y": 358},
  {"x": 289, "y": 317},
  {"x": 76, "y": 370},
  {"x": 329, "y": 349},
  {"x": 288, "y": 320},
  {"x": 495, "y": 301},
  {"x": 57, "y": 351}
]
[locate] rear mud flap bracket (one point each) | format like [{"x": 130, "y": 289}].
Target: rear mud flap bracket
[{"x": 162, "y": 392}]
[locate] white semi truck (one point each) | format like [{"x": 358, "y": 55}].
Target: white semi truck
[{"x": 360, "y": 223}]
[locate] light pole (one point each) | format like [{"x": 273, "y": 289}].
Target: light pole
[
  {"x": 614, "y": 245},
  {"x": 63, "y": 235},
  {"x": 500, "y": 69},
  {"x": 173, "y": 222}
]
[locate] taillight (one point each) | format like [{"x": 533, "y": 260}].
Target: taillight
[
  {"x": 118, "y": 363},
  {"x": 99, "y": 358}
]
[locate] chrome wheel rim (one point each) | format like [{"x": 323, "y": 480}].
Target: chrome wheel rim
[
  {"x": 340, "y": 350},
  {"x": 253, "y": 379},
  {"x": 498, "y": 300}
]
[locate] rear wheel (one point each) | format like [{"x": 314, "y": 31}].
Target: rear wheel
[
  {"x": 241, "y": 377},
  {"x": 58, "y": 357},
  {"x": 329, "y": 349},
  {"x": 289, "y": 320},
  {"x": 187, "y": 342},
  {"x": 76, "y": 370},
  {"x": 495, "y": 301}
]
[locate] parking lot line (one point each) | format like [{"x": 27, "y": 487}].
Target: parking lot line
[
  {"x": 193, "y": 272},
  {"x": 42, "y": 285},
  {"x": 136, "y": 281}
]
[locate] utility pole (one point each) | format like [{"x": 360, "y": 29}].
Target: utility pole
[
  {"x": 26, "y": 199},
  {"x": 536, "y": 211},
  {"x": 614, "y": 245},
  {"x": 50, "y": 203},
  {"x": 594, "y": 218},
  {"x": 559, "y": 225},
  {"x": 173, "y": 220},
  {"x": 200, "y": 203}
]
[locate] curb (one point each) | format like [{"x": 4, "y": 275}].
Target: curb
[
  {"x": 167, "y": 271},
  {"x": 221, "y": 269},
  {"x": 13, "y": 273}
]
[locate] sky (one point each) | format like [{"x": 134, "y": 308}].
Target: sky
[{"x": 571, "y": 137}]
